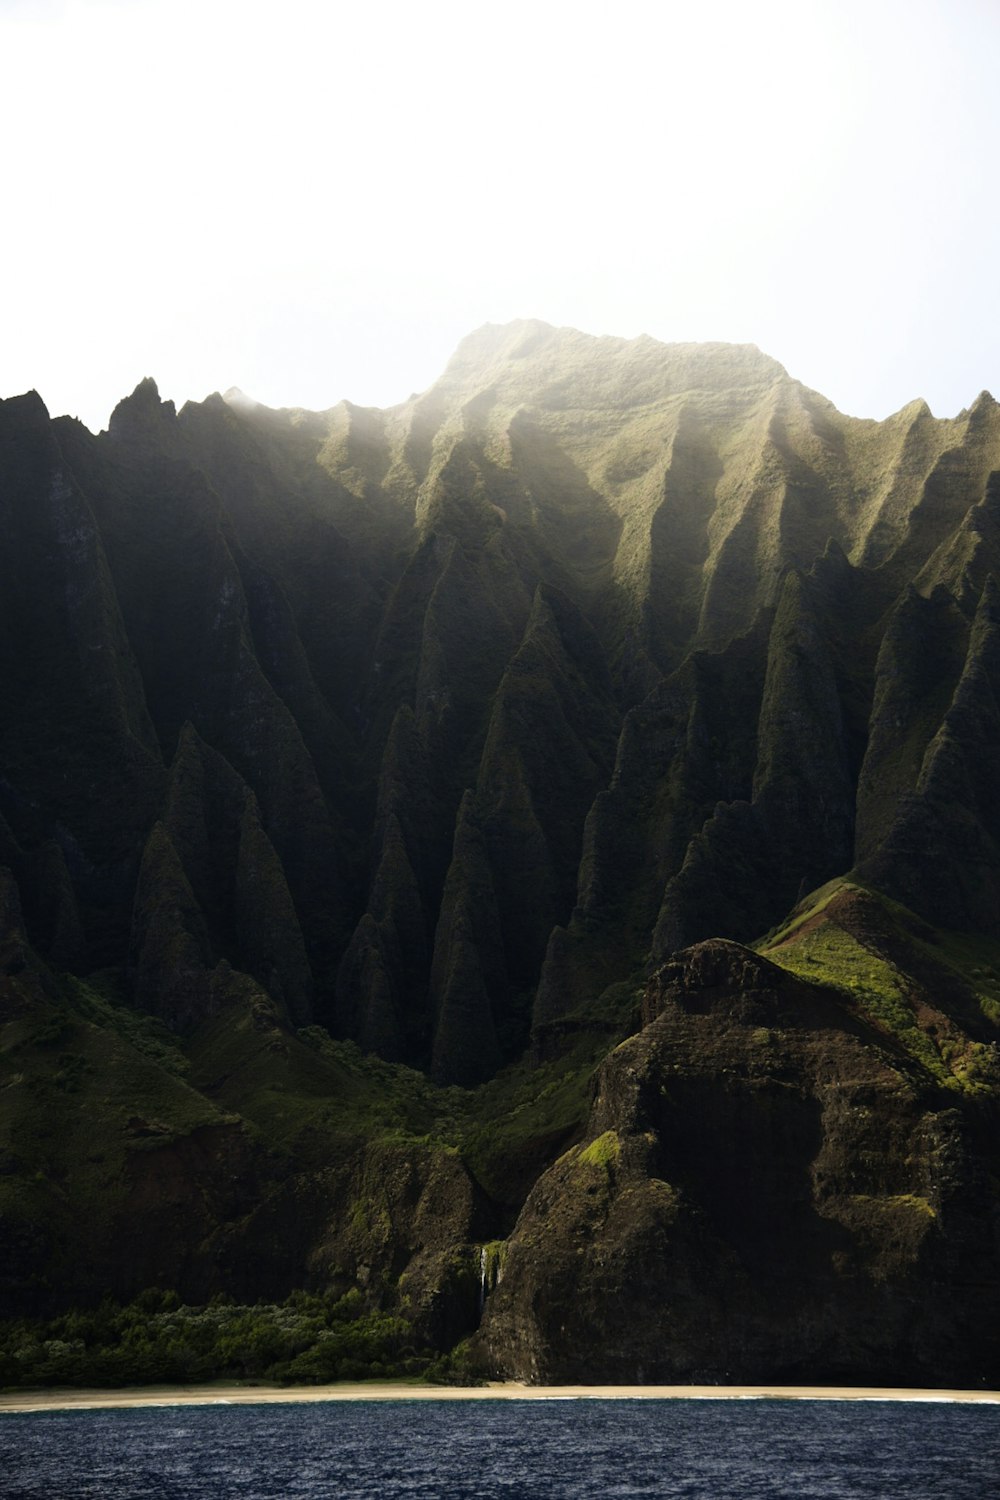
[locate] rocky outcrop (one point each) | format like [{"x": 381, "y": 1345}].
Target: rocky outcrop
[
  {"x": 765, "y": 1191},
  {"x": 401, "y": 1227}
]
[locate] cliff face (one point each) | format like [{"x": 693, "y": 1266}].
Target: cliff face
[
  {"x": 427, "y": 729},
  {"x": 767, "y": 1189}
]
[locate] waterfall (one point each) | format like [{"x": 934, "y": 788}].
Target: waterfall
[{"x": 490, "y": 1269}]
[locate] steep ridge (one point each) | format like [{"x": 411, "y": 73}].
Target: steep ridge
[
  {"x": 291, "y": 583},
  {"x": 429, "y": 729},
  {"x": 940, "y": 854}
]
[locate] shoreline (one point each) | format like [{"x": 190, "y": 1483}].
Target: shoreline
[{"x": 509, "y": 1390}]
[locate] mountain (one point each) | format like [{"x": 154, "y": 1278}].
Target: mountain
[{"x": 527, "y": 858}]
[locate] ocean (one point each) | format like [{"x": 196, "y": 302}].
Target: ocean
[{"x": 719, "y": 1450}]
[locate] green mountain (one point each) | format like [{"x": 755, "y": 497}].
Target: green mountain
[{"x": 526, "y": 862}]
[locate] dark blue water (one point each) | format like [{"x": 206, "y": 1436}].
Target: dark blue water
[{"x": 719, "y": 1450}]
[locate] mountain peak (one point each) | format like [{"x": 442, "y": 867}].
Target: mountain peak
[
  {"x": 27, "y": 411},
  {"x": 235, "y": 397},
  {"x": 141, "y": 413},
  {"x": 531, "y": 363}
]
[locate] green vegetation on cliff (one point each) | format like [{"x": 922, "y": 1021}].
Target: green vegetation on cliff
[{"x": 933, "y": 992}]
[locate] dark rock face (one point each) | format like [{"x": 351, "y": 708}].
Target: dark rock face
[
  {"x": 764, "y": 1193},
  {"x": 405, "y": 1219},
  {"x": 429, "y": 729},
  {"x": 940, "y": 854}
]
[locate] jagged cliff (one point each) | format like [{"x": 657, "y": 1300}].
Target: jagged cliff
[
  {"x": 428, "y": 730},
  {"x": 767, "y": 1189}
]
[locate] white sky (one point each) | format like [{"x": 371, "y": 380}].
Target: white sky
[{"x": 316, "y": 200}]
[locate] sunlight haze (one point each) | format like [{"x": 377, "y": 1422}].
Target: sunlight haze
[{"x": 313, "y": 201}]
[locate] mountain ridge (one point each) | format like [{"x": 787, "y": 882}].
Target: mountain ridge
[{"x": 438, "y": 730}]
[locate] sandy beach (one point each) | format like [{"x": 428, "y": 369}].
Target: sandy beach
[{"x": 245, "y": 1395}]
